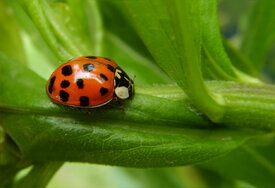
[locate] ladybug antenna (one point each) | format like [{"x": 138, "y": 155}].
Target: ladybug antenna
[{"x": 134, "y": 78}]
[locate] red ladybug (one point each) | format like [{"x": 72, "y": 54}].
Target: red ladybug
[{"x": 89, "y": 82}]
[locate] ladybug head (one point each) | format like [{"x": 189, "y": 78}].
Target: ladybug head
[{"x": 124, "y": 86}]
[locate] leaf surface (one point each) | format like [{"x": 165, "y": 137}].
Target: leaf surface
[
  {"x": 252, "y": 163},
  {"x": 259, "y": 34}
]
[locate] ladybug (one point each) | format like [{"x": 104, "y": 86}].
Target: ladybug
[{"x": 89, "y": 82}]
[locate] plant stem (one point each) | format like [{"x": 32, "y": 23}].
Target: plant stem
[
  {"x": 189, "y": 36},
  {"x": 39, "y": 176},
  {"x": 10, "y": 161},
  {"x": 246, "y": 105}
]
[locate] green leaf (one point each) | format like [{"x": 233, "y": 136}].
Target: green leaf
[
  {"x": 213, "y": 179},
  {"x": 113, "y": 19},
  {"x": 118, "y": 143},
  {"x": 124, "y": 45},
  {"x": 212, "y": 41},
  {"x": 11, "y": 42},
  {"x": 216, "y": 59},
  {"x": 71, "y": 37},
  {"x": 252, "y": 163},
  {"x": 36, "y": 12},
  {"x": 55, "y": 22},
  {"x": 147, "y": 133},
  {"x": 86, "y": 17},
  {"x": 143, "y": 70},
  {"x": 239, "y": 60},
  {"x": 38, "y": 54},
  {"x": 259, "y": 35},
  {"x": 270, "y": 65}
]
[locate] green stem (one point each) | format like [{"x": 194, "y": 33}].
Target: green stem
[
  {"x": 39, "y": 176},
  {"x": 10, "y": 160},
  {"x": 246, "y": 105},
  {"x": 190, "y": 41}
]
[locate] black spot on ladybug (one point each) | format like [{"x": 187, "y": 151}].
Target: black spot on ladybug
[
  {"x": 103, "y": 91},
  {"x": 84, "y": 101},
  {"x": 103, "y": 77},
  {"x": 107, "y": 59},
  {"x": 88, "y": 67},
  {"x": 79, "y": 83},
  {"x": 67, "y": 70},
  {"x": 65, "y": 84},
  {"x": 91, "y": 57},
  {"x": 64, "y": 96},
  {"x": 50, "y": 87},
  {"x": 111, "y": 68}
]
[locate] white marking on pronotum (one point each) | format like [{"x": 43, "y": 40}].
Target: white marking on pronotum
[
  {"x": 122, "y": 92},
  {"x": 117, "y": 73}
]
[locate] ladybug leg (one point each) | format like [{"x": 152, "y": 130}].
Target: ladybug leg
[
  {"x": 120, "y": 104},
  {"x": 88, "y": 111}
]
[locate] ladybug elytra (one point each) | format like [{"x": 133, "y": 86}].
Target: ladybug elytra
[{"x": 89, "y": 82}]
